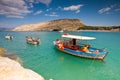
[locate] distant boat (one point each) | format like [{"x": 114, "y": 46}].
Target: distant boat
[
  {"x": 33, "y": 41},
  {"x": 61, "y": 31},
  {"x": 72, "y": 46},
  {"x": 8, "y": 37}
]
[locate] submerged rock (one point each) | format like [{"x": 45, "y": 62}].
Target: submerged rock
[
  {"x": 2, "y": 51},
  {"x": 12, "y": 56},
  {"x": 12, "y": 70}
]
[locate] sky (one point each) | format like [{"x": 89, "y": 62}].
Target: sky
[{"x": 14, "y": 13}]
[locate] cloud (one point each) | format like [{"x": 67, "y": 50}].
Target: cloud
[
  {"x": 104, "y": 10},
  {"x": 117, "y": 9},
  {"x": 77, "y": 11},
  {"x": 59, "y": 8},
  {"x": 38, "y": 12},
  {"x": 30, "y": 5},
  {"x": 19, "y": 8},
  {"x": 73, "y": 8},
  {"x": 48, "y": 9},
  {"x": 13, "y": 8},
  {"x": 46, "y": 2},
  {"x": 53, "y": 14},
  {"x": 114, "y": 7}
]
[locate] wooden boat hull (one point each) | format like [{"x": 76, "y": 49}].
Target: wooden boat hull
[
  {"x": 34, "y": 43},
  {"x": 83, "y": 54}
]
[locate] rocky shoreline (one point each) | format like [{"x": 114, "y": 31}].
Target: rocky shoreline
[{"x": 12, "y": 70}]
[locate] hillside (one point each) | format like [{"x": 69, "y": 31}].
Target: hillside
[{"x": 54, "y": 25}]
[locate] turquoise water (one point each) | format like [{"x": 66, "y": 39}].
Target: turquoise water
[{"x": 53, "y": 64}]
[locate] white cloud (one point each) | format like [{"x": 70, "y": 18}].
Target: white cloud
[
  {"x": 59, "y": 8},
  {"x": 73, "y": 7},
  {"x": 104, "y": 10},
  {"x": 48, "y": 9},
  {"x": 30, "y": 5},
  {"x": 46, "y": 2},
  {"x": 15, "y": 16},
  {"x": 38, "y": 12},
  {"x": 30, "y": 1},
  {"x": 112, "y": 8},
  {"x": 53, "y": 14},
  {"x": 117, "y": 9},
  {"x": 77, "y": 11},
  {"x": 13, "y": 8},
  {"x": 19, "y": 8}
]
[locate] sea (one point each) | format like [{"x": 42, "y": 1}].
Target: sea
[{"x": 53, "y": 64}]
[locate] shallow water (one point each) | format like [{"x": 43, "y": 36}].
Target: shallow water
[{"x": 53, "y": 64}]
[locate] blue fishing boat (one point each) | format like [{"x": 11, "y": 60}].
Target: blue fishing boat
[{"x": 70, "y": 44}]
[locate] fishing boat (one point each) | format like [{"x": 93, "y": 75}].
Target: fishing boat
[
  {"x": 71, "y": 44},
  {"x": 8, "y": 37},
  {"x": 31, "y": 40},
  {"x": 61, "y": 31}
]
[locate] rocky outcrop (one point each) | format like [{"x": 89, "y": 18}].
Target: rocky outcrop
[
  {"x": 12, "y": 70},
  {"x": 31, "y": 27},
  {"x": 60, "y": 24}
]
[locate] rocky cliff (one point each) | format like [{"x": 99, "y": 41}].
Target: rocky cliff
[{"x": 60, "y": 24}]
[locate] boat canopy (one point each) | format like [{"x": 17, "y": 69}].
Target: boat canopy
[{"x": 78, "y": 37}]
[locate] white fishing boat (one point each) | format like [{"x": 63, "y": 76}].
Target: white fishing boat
[
  {"x": 8, "y": 37},
  {"x": 61, "y": 31}
]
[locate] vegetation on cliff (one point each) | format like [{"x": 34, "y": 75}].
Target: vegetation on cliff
[{"x": 110, "y": 28}]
